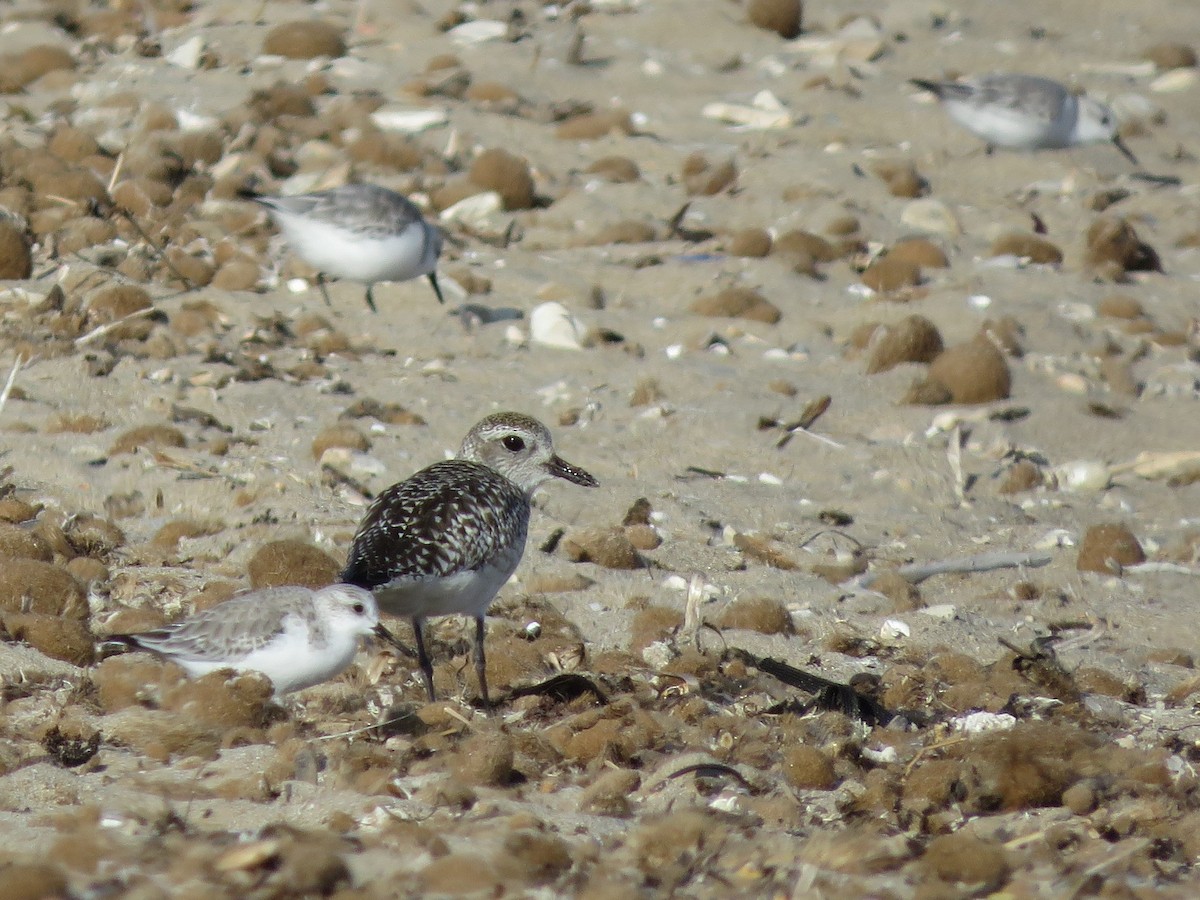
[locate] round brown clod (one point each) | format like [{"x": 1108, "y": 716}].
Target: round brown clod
[
  {"x": 887, "y": 275},
  {"x": 1108, "y": 549},
  {"x": 974, "y": 372},
  {"x": 807, "y": 768},
  {"x": 305, "y": 40},
  {"x": 704, "y": 178},
  {"x": 345, "y": 436},
  {"x": 1026, "y": 246},
  {"x": 1170, "y": 55},
  {"x": 923, "y": 252},
  {"x": 28, "y": 585},
  {"x": 804, "y": 243},
  {"x": 149, "y": 437},
  {"x": 16, "y": 261},
  {"x": 784, "y": 17},
  {"x": 292, "y": 562},
  {"x": 914, "y": 339},
  {"x": 766, "y": 615},
  {"x": 607, "y": 547},
  {"x": 978, "y": 866},
  {"x": 751, "y": 243},
  {"x": 1114, "y": 248},
  {"x": 590, "y": 126},
  {"x": 738, "y": 303},
  {"x": 506, "y": 174},
  {"x": 617, "y": 169},
  {"x": 1121, "y": 306}
]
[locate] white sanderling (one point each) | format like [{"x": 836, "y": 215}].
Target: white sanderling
[
  {"x": 360, "y": 232},
  {"x": 447, "y": 539},
  {"x": 296, "y": 636},
  {"x": 1025, "y": 112}
]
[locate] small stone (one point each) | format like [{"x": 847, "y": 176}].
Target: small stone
[
  {"x": 923, "y": 252},
  {"x": 784, "y": 17},
  {"x": 305, "y": 40},
  {"x": 886, "y": 275},
  {"x": 752, "y": 243},
  {"x": 738, "y": 303},
  {"x": 914, "y": 339},
  {"x": 1026, "y": 246},
  {"x": 1108, "y": 549},
  {"x": 974, "y": 372},
  {"x": 506, "y": 174},
  {"x": 292, "y": 562}
]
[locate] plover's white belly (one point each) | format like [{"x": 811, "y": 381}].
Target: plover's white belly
[
  {"x": 464, "y": 593},
  {"x": 340, "y": 252},
  {"x": 1007, "y": 127},
  {"x": 289, "y": 660}
]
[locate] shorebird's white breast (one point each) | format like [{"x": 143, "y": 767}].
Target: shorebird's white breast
[
  {"x": 1007, "y": 126},
  {"x": 466, "y": 593},
  {"x": 358, "y": 256}
]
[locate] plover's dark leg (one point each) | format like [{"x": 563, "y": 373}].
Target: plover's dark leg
[
  {"x": 481, "y": 662},
  {"x": 321, "y": 285},
  {"x": 371, "y": 298},
  {"x": 437, "y": 290},
  {"x": 423, "y": 656}
]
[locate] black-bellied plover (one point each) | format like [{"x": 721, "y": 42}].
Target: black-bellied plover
[
  {"x": 1026, "y": 112},
  {"x": 448, "y": 538},
  {"x": 360, "y": 232},
  {"x": 296, "y": 636}
]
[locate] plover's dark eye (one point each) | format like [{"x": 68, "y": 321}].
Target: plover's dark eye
[
  {"x": 514, "y": 443},
  {"x": 359, "y": 609}
]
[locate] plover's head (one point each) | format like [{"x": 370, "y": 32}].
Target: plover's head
[
  {"x": 1096, "y": 123},
  {"x": 520, "y": 448},
  {"x": 348, "y": 608}
]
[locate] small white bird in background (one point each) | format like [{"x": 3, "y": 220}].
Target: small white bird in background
[
  {"x": 447, "y": 539},
  {"x": 296, "y": 636},
  {"x": 1025, "y": 112},
  {"x": 360, "y": 232}
]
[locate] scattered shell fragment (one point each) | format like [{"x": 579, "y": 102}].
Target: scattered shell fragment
[{"x": 552, "y": 325}]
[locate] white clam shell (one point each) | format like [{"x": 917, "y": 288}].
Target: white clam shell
[{"x": 552, "y": 325}]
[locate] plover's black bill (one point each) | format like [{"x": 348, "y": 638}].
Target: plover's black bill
[
  {"x": 560, "y": 468},
  {"x": 1124, "y": 148},
  {"x": 381, "y": 632}
]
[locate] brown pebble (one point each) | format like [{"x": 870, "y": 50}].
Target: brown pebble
[
  {"x": 61, "y": 638},
  {"x": 923, "y": 252},
  {"x": 506, "y": 174},
  {"x": 627, "y": 232},
  {"x": 32, "y": 881},
  {"x": 607, "y": 547},
  {"x": 804, "y": 243},
  {"x": 784, "y": 17},
  {"x": 807, "y": 768},
  {"x": 738, "y": 303},
  {"x": 1108, "y": 549},
  {"x": 485, "y": 759},
  {"x": 886, "y": 275},
  {"x": 609, "y": 794},
  {"x": 305, "y": 40},
  {"x": 617, "y": 169},
  {"x": 973, "y": 372},
  {"x": 345, "y": 436},
  {"x": 16, "y": 260},
  {"x": 1114, "y": 248},
  {"x": 590, "y": 126},
  {"x": 1170, "y": 55},
  {"x": 702, "y": 178},
  {"x": 292, "y": 562},
  {"x": 32, "y": 586},
  {"x": 978, "y": 866},
  {"x": 913, "y": 339},
  {"x": 766, "y": 615},
  {"x": 150, "y": 437},
  {"x": 751, "y": 243},
  {"x": 1026, "y": 246},
  {"x": 1023, "y": 475},
  {"x": 1121, "y": 306}
]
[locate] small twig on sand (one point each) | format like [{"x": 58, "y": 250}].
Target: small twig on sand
[
  {"x": 110, "y": 326},
  {"x": 12, "y": 379},
  {"x": 915, "y": 573}
]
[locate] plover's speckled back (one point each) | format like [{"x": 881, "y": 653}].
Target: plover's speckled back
[
  {"x": 448, "y": 538},
  {"x": 295, "y": 636},
  {"x": 361, "y": 232},
  {"x": 1026, "y": 112}
]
